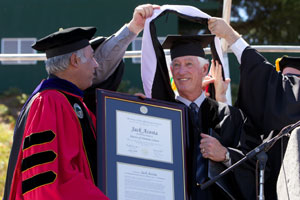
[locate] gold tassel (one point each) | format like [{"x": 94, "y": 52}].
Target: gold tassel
[{"x": 277, "y": 64}]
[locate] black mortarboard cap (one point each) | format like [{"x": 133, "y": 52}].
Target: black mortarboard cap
[
  {"x": 191, "y": 45},
  {"x": 65, "y": 41},
  {"x": 95, "y": 42},
  {"x": 288, "y": 61}
]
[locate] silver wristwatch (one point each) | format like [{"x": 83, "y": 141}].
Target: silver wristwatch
[{"x": 227, "y": 157}]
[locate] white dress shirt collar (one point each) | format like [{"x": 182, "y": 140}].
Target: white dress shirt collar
[{"x": 198, "y": 101}]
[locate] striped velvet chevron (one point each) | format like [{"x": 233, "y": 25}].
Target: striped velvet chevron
[
  {"x": 38, "y": 138},
  {"x": 38, "y": 181},
  {"x": 38, "y": 159}
]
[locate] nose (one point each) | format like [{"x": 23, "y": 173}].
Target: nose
[
  {"x": 181, "y": 70},
  {"x": 95, "y": 63}
]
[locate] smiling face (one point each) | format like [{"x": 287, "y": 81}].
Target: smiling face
[{"x": 188, "y": 75}]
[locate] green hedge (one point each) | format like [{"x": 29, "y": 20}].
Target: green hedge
[{"x": 6, "y": 133}]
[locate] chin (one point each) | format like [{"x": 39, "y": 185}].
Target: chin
[
  {"x": 89, "y": 86},
  {"x": 86, "y": 87}
]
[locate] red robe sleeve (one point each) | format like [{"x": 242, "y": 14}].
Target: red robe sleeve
[{"x": 52, "y": 163}]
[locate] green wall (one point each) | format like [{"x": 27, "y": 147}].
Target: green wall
[{"x": 36, "y": 18}]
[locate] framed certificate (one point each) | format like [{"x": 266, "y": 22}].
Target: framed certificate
[{"x": 141, "y": 147}]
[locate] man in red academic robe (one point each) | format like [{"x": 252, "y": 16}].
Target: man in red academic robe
[{"x": 54, "y": 150}]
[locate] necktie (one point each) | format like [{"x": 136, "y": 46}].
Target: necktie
[{"x": 200, "y": 161}]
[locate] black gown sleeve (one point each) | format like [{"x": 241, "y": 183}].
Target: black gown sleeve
[
  {"x": 270, "y": 100},
  {"x": 267, "y": 97}
]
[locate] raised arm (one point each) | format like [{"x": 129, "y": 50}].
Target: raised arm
[
  {"x": 111, "y": 51},
  {"x": 220, "y": 28}
]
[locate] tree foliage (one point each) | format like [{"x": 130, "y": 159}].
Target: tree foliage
[
  {"x": 264, "y": 21},
  {"x": 6, "y": 133},
  {"x": 267, "y": 21}
]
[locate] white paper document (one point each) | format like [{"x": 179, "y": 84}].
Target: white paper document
[
  {"x": 135, "y": 182},
  {"x": 144, "y": 137}
]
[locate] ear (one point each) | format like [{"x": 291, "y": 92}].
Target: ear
[
  {"x": 205, "y": 69},
  {"x": 74, "y": 60}
]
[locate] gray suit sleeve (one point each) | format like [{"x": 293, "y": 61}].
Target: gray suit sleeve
[{"x": 110, "y": 53}]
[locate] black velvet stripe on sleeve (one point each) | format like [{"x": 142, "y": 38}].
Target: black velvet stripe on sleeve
[
  {"x": 38, "y": 159},
  {"x": 38, "y": 181},
  {"x": 38, "y": 138}
]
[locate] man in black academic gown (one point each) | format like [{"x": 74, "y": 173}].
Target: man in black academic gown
[
  {"x": 288, "y": 65},
  {"x": 206, "y": 116},
  {"x": 269, "y": 99}
]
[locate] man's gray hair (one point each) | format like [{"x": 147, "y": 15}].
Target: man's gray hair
[
  {"x": 61, "y": 63},
  {"x": 203, "y": 61}
]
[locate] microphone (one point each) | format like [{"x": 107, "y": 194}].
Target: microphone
[
  {"x": 284, "y": 132},
  {"x": 289, "y": 128}
]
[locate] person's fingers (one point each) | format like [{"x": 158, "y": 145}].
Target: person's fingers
[
  {"x": 202, "y": 150},
  {"x": 218, "y": 65},
  {"x": 202, "y": 146},
  {"x": 148, "y": 11},
  {"x": 207, "y": 153},
  {"x": 219, "y": 74},
  {"x": 206, "y": 82},
  {"x": 207, "y": 78},
  {"x": 212, "y": 24},
  {"x": 204, "y": 154},
  {"x": 212, "y": 69},
  {"x": 225, "y": 85},
  {"x": 212, "y": 20},
  {"x": 218, "y": 70},
  {"x": 212, "y": 27},
  {"x": 140, "y": 11},
  {"x": 205, "y": 143},
  {"x": 203, "y": 135},
  {"x": 155, "y": 6},
  {"x": 210, "y": 143},
  {"x": 140, "y": 95}
]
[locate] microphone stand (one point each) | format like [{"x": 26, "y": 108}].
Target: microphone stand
[
  {"x": 264, "y": 147},
  {"x": 262, "y": 158}
]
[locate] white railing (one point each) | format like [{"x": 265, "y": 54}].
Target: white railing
[{"x": 137, "y": 54}]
